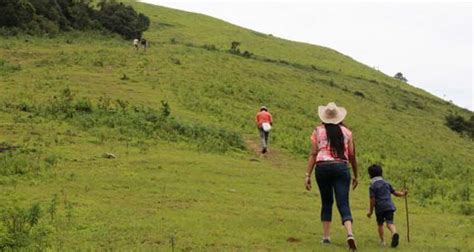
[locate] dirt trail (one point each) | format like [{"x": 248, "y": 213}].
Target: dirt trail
[{"x": 274, "y": 156}]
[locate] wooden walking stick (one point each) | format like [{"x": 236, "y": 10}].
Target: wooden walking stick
[{"x": 406, "y": 211}]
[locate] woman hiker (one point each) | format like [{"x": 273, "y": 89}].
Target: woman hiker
[
  {"x": 332, "y": 149},
  {"x": 264, "y": 123}
]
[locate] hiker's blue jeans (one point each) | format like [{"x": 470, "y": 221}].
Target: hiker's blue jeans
[{"x": 334, "y": 180}]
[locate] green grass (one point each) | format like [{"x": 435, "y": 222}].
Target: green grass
[{"x": 188, "y": 177}]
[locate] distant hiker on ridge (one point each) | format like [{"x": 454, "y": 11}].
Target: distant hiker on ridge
[
  {"x": 264, "y": 124},
  {"x": 135, "y": 44},
  {"x": 144, "y": 43},
  {"x": 332, "y": 148}
]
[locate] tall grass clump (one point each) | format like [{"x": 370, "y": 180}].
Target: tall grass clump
[
  {"x": 25, "y": 161},
  {"x": 21, "y": 228},
  {"x": 6, "y": 67}
]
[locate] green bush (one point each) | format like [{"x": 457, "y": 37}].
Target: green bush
[
  {"x": 459, "y": 124},
  {"x": 122, "y": 19},
  {"x": 466, "y": 208},
  {"x": 210, "y": 47},
  {"x": 84, "y": 105},
  {"x": 25, "y": 106}
]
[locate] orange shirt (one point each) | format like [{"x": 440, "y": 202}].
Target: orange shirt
[{"x": 262, "y": 117}]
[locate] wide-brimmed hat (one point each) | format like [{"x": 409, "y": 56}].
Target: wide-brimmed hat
[
  {"x": 331, "y": 113},
  {"x": 263, "y": 108}
]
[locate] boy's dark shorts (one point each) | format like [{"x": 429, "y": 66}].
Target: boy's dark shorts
[{"x": 385, "y": 216}]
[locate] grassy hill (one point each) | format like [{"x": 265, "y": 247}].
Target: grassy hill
[{"x": 179, "y": 119}]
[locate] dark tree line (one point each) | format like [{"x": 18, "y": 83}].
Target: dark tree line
[{"x": 38, "y": 17}]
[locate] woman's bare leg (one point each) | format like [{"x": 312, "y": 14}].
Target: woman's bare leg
[
  {"x": 326, "y": 229},
  {"x": 348, "y": 226}
]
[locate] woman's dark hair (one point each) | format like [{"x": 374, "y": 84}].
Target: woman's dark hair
[
  {"x": 375, "y": 171},
  {"x": 335, "y": 139}
]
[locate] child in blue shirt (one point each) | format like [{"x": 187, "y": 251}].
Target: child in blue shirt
[{"x": 380, "y": 198}]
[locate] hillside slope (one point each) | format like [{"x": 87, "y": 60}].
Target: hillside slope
[
  {"x": 395, "y": 123},
  {"x": 190, "y": 178}
]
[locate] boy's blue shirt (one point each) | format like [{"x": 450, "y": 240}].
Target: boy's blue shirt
[{"x": 381, "y": 191}]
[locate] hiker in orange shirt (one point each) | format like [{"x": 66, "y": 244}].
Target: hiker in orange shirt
[{"x": 264, "y": 124}]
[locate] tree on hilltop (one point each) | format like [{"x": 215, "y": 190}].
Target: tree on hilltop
[
  {"x": 399, "y": 76},
  {"x": 122, "y": 19}
]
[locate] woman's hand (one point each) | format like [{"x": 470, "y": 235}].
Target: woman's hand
[
  {"x": 307, "y": 182},
  {"x": 354, "y": 183}
]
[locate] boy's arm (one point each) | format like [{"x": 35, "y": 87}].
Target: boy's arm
[
  {"x": 402, "y": 193},
  {"x": 371, "y": 207}
]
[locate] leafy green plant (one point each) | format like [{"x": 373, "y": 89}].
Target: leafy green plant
[
  {"x": 165, "y": 109},
  {"x": 83, "y": 105},
  {"x": 124, "y": 77},
  {"x": 21, "y": 227},
  {"x": 53, "y": 206}
]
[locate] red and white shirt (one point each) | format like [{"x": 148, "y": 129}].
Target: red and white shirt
[{"x": 319, "y": 137}]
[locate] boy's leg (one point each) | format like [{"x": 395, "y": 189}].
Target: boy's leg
[
  {"x": 388, "y": 215},
  {"x": 392, "y": 228},
  {"x": 380, "y": 220},
  {"x": 381, "y": 235}
]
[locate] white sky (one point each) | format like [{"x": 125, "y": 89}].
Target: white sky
[{"x": 429, "y": 42}]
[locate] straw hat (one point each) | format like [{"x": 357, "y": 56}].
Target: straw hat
[
  {"x": 331, "y": 113},
  {"x": 263, "y": 108}
]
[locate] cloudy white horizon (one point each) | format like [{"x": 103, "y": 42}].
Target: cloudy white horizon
[{"x": 429, "y": 42}]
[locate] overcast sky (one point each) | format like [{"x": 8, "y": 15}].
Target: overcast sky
[{"x": 429, "y": 42}]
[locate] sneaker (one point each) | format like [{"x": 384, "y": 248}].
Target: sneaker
[
  {"x": 382, "y": 244},
  {"x": 325, "y": 241},
  {"x": 395, "y": 239},
  {"x": 351, "y": 243},
  {"x": 264, "y": 150}
]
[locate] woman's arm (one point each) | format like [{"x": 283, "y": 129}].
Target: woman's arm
[
  {"x": 311, "y": 162},
  {"x": 353, "y": 161},
  {"x": 371, "y": 207}
]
